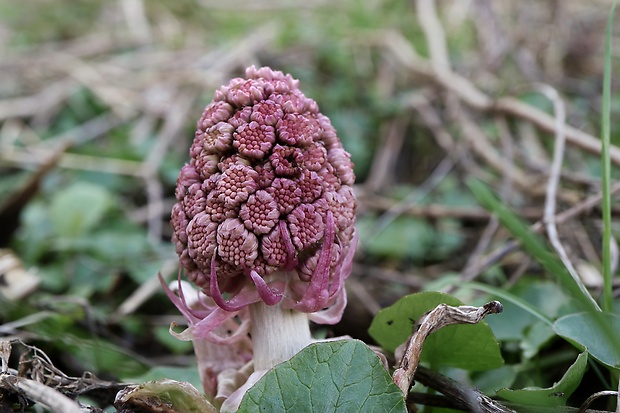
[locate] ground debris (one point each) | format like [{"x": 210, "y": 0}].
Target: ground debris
[{"x": 38, "y": 381}]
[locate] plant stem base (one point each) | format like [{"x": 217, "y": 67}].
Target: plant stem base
[{"x": 277, "y": 334}]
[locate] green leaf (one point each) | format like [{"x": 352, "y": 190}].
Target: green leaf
[
  {"x": 404, "y": 237},
  {"x": 334, "y": 376},
  {"x": 78, "y": 208},
  {"x": 102, "y": 356},
  {"x": 35, "y": 232},
  {"x": 490, "y": 381},
  {"x": 529, "y": 296},
  {"x": 449, "y": 237},
  {"x": 552, "y": 396},
  {"x": 469, "y": 347},
  {"x": 598, "y": 332},
  {"x": 90, "y": 276},
  {"x": 353, "y": 124},
  {"x": 123, "y": 243},
  {"x": 536, "y": 336}
]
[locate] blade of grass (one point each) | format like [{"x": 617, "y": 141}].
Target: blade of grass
[
  {"x": 606, "y": 180},
  {"x": 606, "y": 167},
  {"x": 533, "y": 244}
]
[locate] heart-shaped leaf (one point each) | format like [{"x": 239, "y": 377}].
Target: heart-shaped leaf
[
  {"x": 78, "y": 208},
  {"x": 469, "y": 347},
  {"x": 334, "y": 376}
]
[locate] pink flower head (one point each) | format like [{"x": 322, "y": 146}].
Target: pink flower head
[{"x": 265, "y": 208}]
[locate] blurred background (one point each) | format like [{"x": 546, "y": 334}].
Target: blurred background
[{"x": 98, "y": 105}]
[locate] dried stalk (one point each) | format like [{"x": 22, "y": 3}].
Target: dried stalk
[
  {"x": 443, "y": 315},
  {"x": 33, "y": 390},
  {"x": 552, "y": 187},
  {"x": 461, "y": 396},
  {"x": 465, "y": 90}
]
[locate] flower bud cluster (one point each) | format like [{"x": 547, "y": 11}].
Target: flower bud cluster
[{"x": 268, "y": 191}]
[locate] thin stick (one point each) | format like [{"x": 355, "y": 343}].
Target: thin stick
[
  {"x": 384, "y": 160},
  {"x": 434, "y": 33},
  {"x": 403, "y": 51},
  {"x": 595, "y": 396},
  {"x": 483, "y": 147},
  {"x": 552, "y": 186},
  {"x": 47, "y": 98},
  {"x": 38, "y": 156},
  {"x": 475, "y": 400},
  {"x": 136, "y": 19},
  {"x": 173, "y": 125},
  {"x": 422, "y": 104},
  {"x": 469, "y": 270}
]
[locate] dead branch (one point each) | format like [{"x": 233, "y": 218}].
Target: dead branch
[
  {"x": 443, "y": 315},
  {"x": 403, "y": 51}
]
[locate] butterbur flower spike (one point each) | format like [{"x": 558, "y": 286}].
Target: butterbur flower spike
[{"x": 265, "y": 212}]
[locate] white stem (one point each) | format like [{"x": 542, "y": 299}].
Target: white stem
[{"x": 277, "y": 334}]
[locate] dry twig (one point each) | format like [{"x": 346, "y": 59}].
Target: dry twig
[
  {"x": 403, "y": 51},
  {"x": 443, "y": 315},
  {"x": 460, "y": 396},
  {"x": 33, "y": 390},
  {"x": 552, "y": 187}
]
